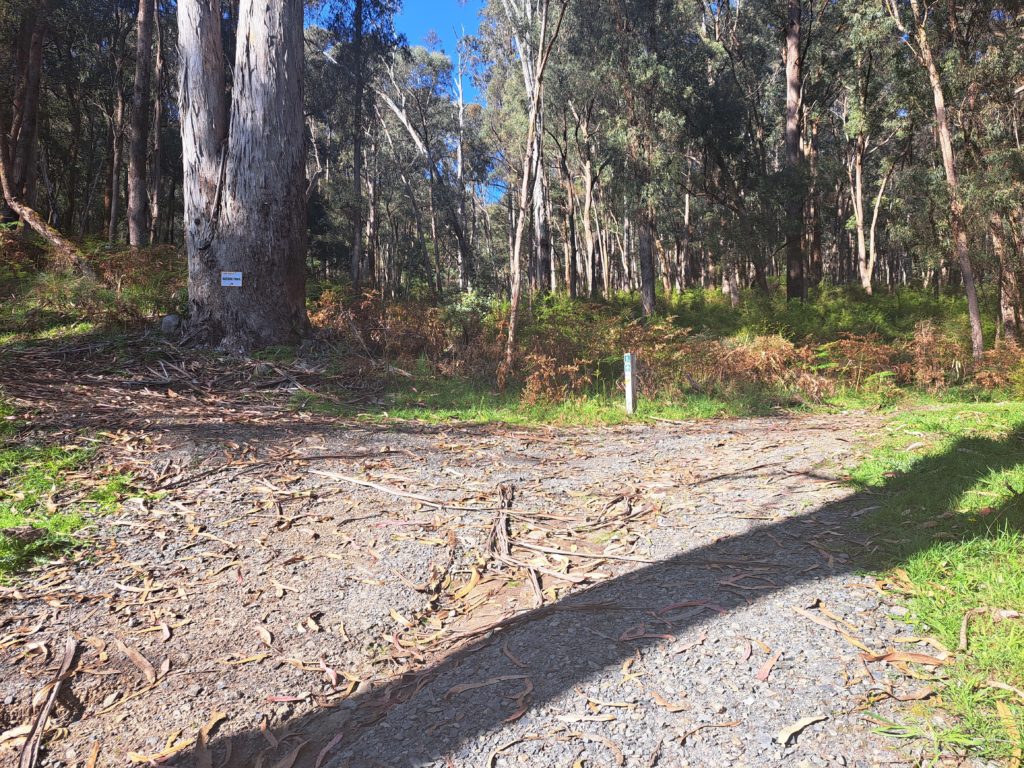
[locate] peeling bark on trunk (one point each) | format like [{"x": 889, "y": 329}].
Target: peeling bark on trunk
[
  {"x": 244, "y": 186},
  {"x": 138, "y": 202}
]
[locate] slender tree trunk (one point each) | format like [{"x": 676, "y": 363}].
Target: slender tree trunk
[
  {"x": 541, "y": 224},
  {"x": 465, "y": 268},
  {"x": 117, "y": 128},
  {"x": 535, "y": 88},
  {"x": 434, "y": 245},
  {"x": 244, "y": 186},
  {"x": 875, "y": 210},
  {"x": 645, "y": 250},
  {"x": 74, "y": 152},
  {"x": 815, "y": 262},
  {"x": 855, "y": 171},
  {"x": 956, "y": 208},
  {"x": 795, "y": 282},
  {"x": 155, "y": 162},
  {"x": 1009, "y": 290},
  {"x": 355, "y": 269},
  {"x": 604, "y": 238},
  {"x": 138, "y": 143},
  {"x": 589, "y": 241}
]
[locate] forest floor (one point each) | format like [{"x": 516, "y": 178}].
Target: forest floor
[{"x": 281, "y": 588}]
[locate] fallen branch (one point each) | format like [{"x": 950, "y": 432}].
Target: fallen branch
[
  {"x": 30, "y": 750},
  {"x": 66, "y": 251},
  {"x": 397, "y": 492},
  {"x": 997, "y": 616}
]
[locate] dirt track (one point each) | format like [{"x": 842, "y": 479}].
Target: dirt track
[{"x": 308, "y": 591}]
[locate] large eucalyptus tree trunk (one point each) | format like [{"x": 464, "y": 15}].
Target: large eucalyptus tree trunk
[
  {"x": 138, "y": 202},
  {"x": 244, "y": 182}
]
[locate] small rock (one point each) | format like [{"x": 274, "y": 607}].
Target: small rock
[
  {"x": 898, "y": 610},
  {"x": 170, "y": 324}
]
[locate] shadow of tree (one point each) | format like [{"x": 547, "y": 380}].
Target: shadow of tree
[{"x": 426, "y": 715}]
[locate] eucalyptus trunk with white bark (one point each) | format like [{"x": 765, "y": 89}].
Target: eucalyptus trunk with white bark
[{"x": 244, "y": 179}]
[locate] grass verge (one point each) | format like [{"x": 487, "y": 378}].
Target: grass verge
[
  {"x": 434, "y": 399},
  {"x": 949, "y": 534},
  {"x": 42, "y": 502}
]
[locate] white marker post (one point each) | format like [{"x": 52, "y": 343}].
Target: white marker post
[{"x": 628, "y": 360}]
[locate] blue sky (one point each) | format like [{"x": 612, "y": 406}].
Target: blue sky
[{"x": 444, "y": 17}]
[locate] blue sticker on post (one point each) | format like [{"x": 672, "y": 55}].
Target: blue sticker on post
[{"x": 231, "y": 279}]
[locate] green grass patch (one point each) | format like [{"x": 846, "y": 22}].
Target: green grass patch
[
  {"x": 41, "y": 510},
  {"x": 32, "y": 524},
  {"x": 433, "y": 399},
  {"x": 950, "y": 481},
  {"x": 8, "y": 422},
  {"x": 108, "y": 496}
]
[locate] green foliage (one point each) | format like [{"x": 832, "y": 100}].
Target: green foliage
[
  {"x": 827, "y": 315},
  {"x": 838, "y": 349}
]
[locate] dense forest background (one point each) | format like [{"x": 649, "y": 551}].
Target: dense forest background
[{"x": 641, "y": 145}]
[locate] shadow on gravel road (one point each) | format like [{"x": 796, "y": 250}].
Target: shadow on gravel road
[{"x": 559, "y": 646}]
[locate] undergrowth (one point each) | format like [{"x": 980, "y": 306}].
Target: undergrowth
[
  {"x": 948, "y": 533},
  {"x": 701, "y": 357},
  {"x": 132, "y": 288}
]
